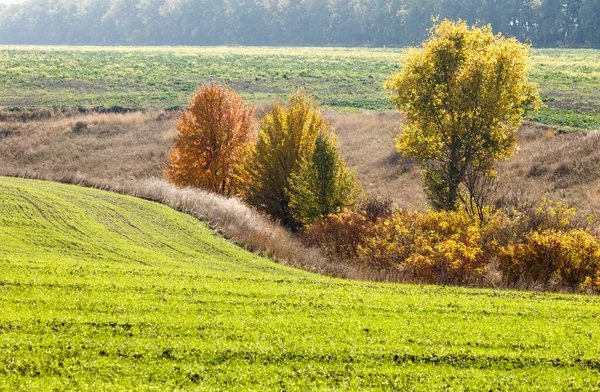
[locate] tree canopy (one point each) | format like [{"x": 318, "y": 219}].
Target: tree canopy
[
  {"x": 295, "y": 171},
  {"x": 213, "y": 138},
  {"x": 290, "y": 22},
  {"x": 464, "y": 95}
]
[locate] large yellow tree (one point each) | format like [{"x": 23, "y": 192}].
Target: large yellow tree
[{"x": 464, "y": 94}]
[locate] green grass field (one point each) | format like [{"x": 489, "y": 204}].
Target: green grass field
[
  {"x": 100, "y": 291},
  {"x": 165, "y": 77}
]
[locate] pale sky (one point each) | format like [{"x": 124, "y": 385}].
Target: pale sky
[{"x": 9, "y": 1}]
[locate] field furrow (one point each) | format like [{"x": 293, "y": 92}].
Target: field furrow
[{"x": 100, "y": 291}]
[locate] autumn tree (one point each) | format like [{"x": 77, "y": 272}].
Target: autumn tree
[
  {"x": 212, "y": 141},
  {"x": 286, "y": 142},
  {"x": 464, "y": 95},
  {"x": 323, "y": 185}
]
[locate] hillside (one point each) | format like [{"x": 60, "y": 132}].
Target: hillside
[
  {"x": 101, "y": 291},
  {"x": 552, "y": 164}
]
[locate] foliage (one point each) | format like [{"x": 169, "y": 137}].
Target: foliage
[
  {"x": 342, "y": 235},
  {"x": 562, "y": 259},
  {"x": 286, "y": 143},
  {"x": 542, "y": 244},
  {"x": 546, "y": 215},
  {"x": 322, "y": 185},
  {"x": 375, "y": 208},
  {"x": 463, "y": 94},
  {"x": 212, "y": 141},
  {"x": 270, "y": 22},
  {"x": 439, "y": 247},
  {"x": 515, "y": 222},
  {"x": 131, "y": 295},
  {"x": 339, "y": 235}
]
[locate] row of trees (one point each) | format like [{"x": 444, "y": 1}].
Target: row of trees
[
  {"x": 290, "y": 22},
  {"x": 463, "y": 95},
  {"x": 291, "y": 170}
]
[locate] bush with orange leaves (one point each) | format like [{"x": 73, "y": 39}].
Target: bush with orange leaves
[
  {"x": 212, "y": 141},
  {"x": 543, "y": 245},
  {"x": 339, "y": 235},
  {"x": 342, "y": 235},
  {"x": 439, "y": 247}
]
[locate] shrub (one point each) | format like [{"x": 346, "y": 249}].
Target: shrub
[
  {"x": 563, "y": 259},
  {"x": 339, "y": 235},
  {"x": 322, "y": 185},
  {"x": 439, "y": 247},
  {"x": 375, "y": 208},
  {"x": 79, "y": 127},
  {"x": 342, "y": 235},
  {"x": 212, "y": 142},
  {"x": 290, "y": 179},
  {"x": 528, "y": 217},
  {"x": 539, "y": 245}
]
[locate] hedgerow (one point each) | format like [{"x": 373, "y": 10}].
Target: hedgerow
[
  {"x": 551, "y": 257},
  {"x": 543, "y": 245}
]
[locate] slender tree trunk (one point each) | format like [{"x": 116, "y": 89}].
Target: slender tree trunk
[{"x": 454, "y": 179}]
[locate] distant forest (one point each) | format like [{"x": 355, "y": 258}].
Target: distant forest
[{"x": 377, "y": 23}]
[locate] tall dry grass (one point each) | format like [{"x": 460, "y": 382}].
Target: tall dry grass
[
  {"x": 564, "y": 167},
  {"x": 230, "y": 218},
  {"x": 104, "y": 146},
  {"x": 367, "y": 144}
]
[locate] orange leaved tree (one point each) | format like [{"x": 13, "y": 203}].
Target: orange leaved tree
[{"x": 212, "y": 141}]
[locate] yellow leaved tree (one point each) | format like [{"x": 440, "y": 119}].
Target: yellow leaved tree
[
  {"x": 464, "y": 95},
  {"x": 295, "y": 172}
]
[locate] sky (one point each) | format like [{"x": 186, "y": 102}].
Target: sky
[{"x": 9, "y": 1}]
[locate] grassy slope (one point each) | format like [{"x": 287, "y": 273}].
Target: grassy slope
[
  {"x": 339, "y": 77},
  {"x": 103, "y": 291}
]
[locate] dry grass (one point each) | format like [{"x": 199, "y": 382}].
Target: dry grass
[
  {"x": 102, "y": 146},
  {"x": 116, "y": 147},
  {"x": 563, "y": 167},
  {"x": 125, "y": 153},
  {"x": 367, "y": 144}
]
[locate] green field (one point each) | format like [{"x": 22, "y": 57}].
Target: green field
[
  {"x": 164, "y": 77},
  {"x": 100, "y": 291}
]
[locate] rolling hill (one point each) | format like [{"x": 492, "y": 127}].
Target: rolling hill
[{"x": 101, "y": 291}]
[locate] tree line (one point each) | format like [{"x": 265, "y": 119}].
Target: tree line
[{"x": 376, "y": 23}]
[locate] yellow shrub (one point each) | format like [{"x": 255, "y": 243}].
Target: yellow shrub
[
  {"x": 540, "y": 245},
  {"x": 570, "y": 259},
  {"x": 438, "y": 247}
]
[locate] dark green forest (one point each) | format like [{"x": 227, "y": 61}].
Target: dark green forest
[{"x": 377, "y": 23}]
